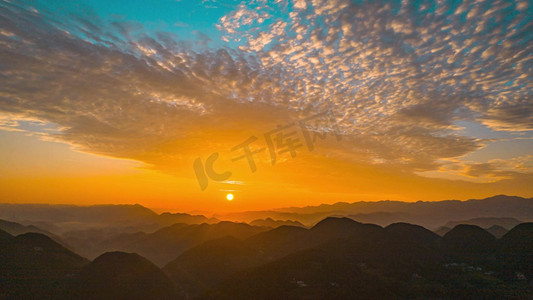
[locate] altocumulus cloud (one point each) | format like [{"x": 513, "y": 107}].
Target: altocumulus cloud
[{"x": 396, "y": 76}]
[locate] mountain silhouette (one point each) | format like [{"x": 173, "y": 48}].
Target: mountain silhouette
[
  {"x": 204, "y": 266},
  {"x": 337, "y": 258},
  {"x": 520, "y": 238},
  {"x": 354, "y": 264},
  {"x": 468, "y": 243},
  {"x": 332, "y": 227},
  {"x": 487, "y": 222},
  {"x": 15, "y": 228},
  {"x": 201, "y": 267},
  {"x": 404, "y": 261},
  {"x": 279, "y": 241},
  {"x": 412, "y": 233},
  {"x": 430, "y": 214},
  {"x": 516, "y": 247},
  {"x": 34, "y": 264},
  {"x": 119, "y": 275},
  {"x": 167, "y": 243}
]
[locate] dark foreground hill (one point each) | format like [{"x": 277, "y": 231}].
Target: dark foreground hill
[
  {"x": 468, "y": 243},
  {"x": 404, "y": 262},
  {"x": 342, "y": 259},
  {"x": 516, "y": 250},
  {"x": 119, "y": 275},
  {"x": 208, "y": 264},
  {"x": 338, "y": 258},
  {"x": 32, "y": 265}
]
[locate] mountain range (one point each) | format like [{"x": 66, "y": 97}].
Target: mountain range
[
  {"x": 338, "y": 258},
  {"x": 131, "y": 218},
  {"x": 430, "y": 214},
  {"x": 139, "y": 254}
]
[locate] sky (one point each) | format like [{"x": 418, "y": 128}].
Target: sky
[{"x": 175, "y": 104}]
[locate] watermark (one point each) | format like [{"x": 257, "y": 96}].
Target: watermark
[{"x": 282, "y": 139}]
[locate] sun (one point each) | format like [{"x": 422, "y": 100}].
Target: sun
[{"x": 229, "y": 196}]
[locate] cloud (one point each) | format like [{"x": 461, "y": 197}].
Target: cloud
[
  {"x": 513, "y": 117},
  {"x": 395, "y": 75}
]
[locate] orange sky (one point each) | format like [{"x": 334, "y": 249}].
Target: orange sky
[{"x": 36, "y": 171}]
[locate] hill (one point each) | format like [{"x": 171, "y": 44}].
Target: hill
[
  {"x": 167, "y": 243},
  {"x": 204, "y": 266},
  {"x": 338, "y": 258},
  {"x": 15, "y": 228},
  {"x": 34, "y": 265},
  {"x": 60, "y": 219},
  {"x": 516, "y": 248},
  {"x": 119, "y": 275},
  {"x": 468, "y": 243},
  {"x": 403, "y": 262}
]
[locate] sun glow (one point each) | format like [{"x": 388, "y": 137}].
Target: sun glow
[{"x": 229, "y": 196}]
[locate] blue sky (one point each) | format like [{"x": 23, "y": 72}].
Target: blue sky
[{"x": 186, "y": 18}]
